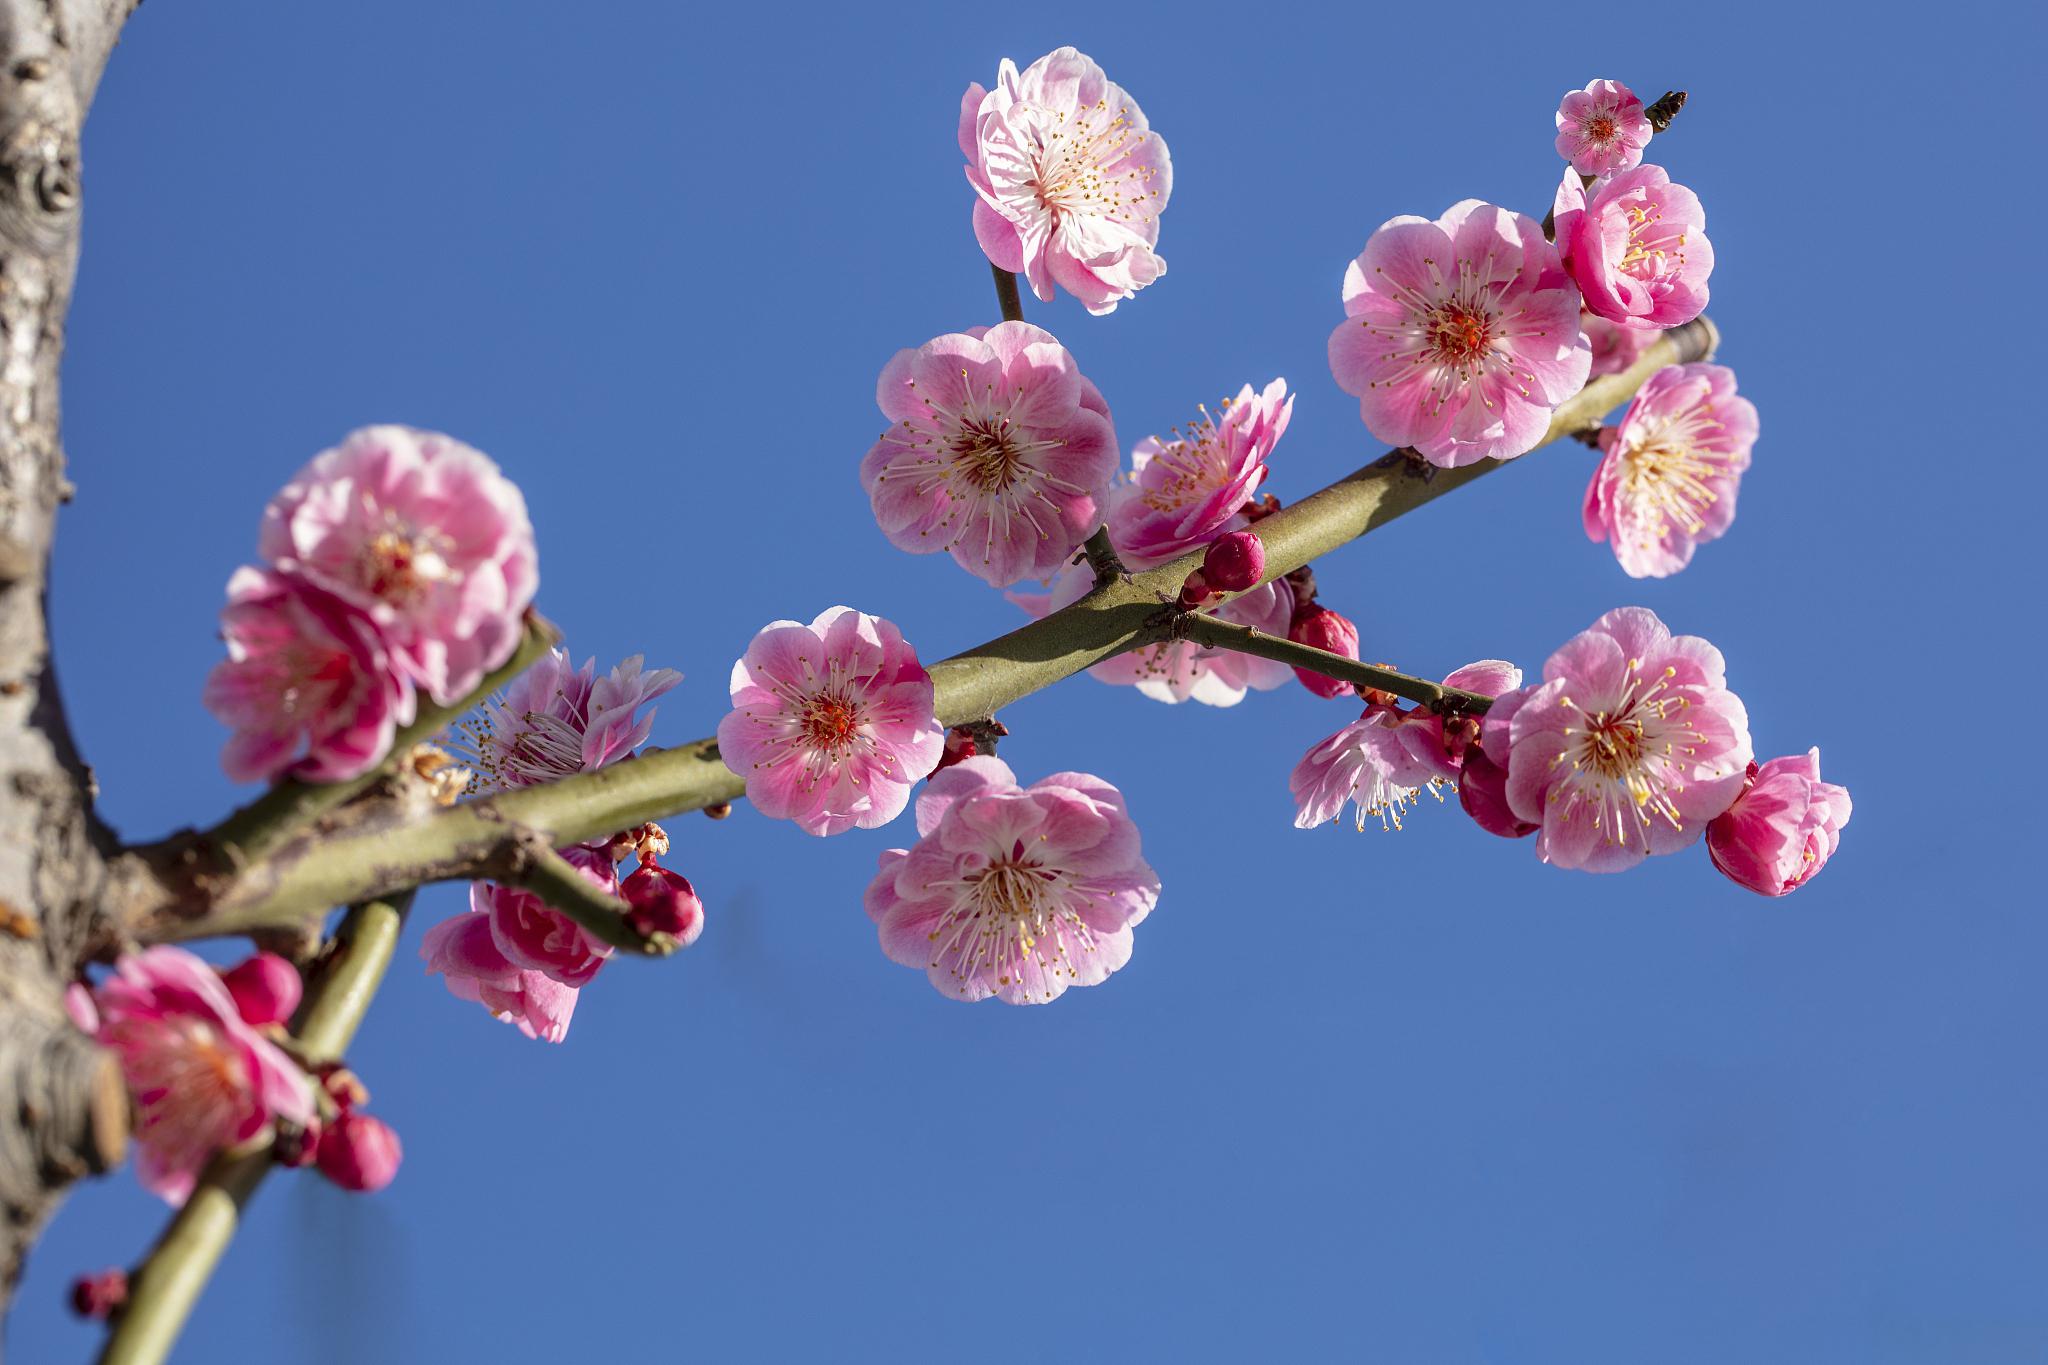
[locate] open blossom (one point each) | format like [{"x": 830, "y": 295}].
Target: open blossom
[
  {"x": 202, "y": 1079},
  {"x": 307, "y": 686},
  {"x": 1668, "y": 479},
  {"x": 1069, "y": 180},
  {"x": 554, "y": 721},
  {"x": 1187, "y": 488},
  {"x": 532, "y": 934},
  {"x": 1182, "y": 670},
  {"x": 1637, "y": 245},
  {"x": 425, "y": 535},
  {"x": 1615, "y": 347},
  {"x": 1015, "y": 892},
  {"x": 1388, "y": 757},
  {"x": 999, "y": 451},
  {"x": 1628, "y": 747},
  {"x": 1461, "y": 335},
  {"x": 1602, "y": 129},
  {"x": 1783, "y": 828},
  {"x": 462, "y": 949},
  {"x": 831, "y": 722}
]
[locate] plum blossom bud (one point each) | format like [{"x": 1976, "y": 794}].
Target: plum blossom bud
[
  {"x": 1235, "y": 561},
  {"x": 1782, "y": 829},
  {"x": 358, "y": 1152},
  {"x": 663, "y": 902},
  {"x": 265, "y": 989},
  {"x": 1318, "y": 626},
  {"x": 99, "y": 1296},
  {"x": 1197, "y": 591},
  {"x": 1483, "y": 792}
]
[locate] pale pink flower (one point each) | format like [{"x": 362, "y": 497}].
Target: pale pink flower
[
  {"x": 1461, "y": 335},
  {"x": 425, "y": 535},
  {"x": 1069, "y": 179},
  {"x": 1187, "y": 488},
  {"x": 1628, "y": 747},
  {"x": 1783, "y": 828},
  {"x": 1615, "y": 347},
  {"x": 462, "y": 949},
  {"x": 999, "y": 451},
  {"x": 1602, "y": 129},
  {"x": 1014, "y": 892},
  {"x": 1181, "y": 670},
  {"x": 831, "y": 722},
  {"x": 201, "y": 1078},
  {"x": 532, "y": 934},
  {"x": 307, "y": 686},
  {"x": 1637, "y": 246},
  {"x": 1668, "y": 479},
  {"x": 1388, "y": 757},
  {"x": 554, "y": 722}
]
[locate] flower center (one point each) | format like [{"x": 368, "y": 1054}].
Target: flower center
[
  {"x": 1612, "y": 746},
  {"x": 829, "y": 722},
  {"x": 397, "y": 565},
  {"x": 986, "y": 456},
  {"x": 1011, "y": 888},
  {"x": 1600, "y": 128},
  {"x": 1459, "y": 333}
]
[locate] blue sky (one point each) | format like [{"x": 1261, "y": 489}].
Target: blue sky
[{"x": 1404, "y": 1097}]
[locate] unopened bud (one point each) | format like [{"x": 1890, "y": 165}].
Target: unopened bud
[
  {"x": 662, "y": 902},
  {"x": 1318, "y": 626},
  {"x": 358, "y": 1152},
  {"x": 1235, "y": 561},
  {"x": 99, "y": 1296},
  {"x": 266, "y": 989},
  {"x": 1196, "y": 592},
  {"x": 960, "y": 745},
  {"x": 1483, "y": 792},
  {"x": 1461, "y": 735}
]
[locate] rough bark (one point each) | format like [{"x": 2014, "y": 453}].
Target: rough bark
[{"x": 63, "y": 1114}]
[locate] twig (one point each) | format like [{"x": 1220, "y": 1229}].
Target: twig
[
  {"x": 1102, "y": 558},
  {"x": 555, "y": 880},
  {"x": 1218, "y": 634},
  {"x": 1007, "y": 296}
]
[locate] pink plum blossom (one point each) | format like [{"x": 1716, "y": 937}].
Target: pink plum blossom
[
  {"x": 1461, "y": 335},
  {"x": 1182, "y": 670},
  {"x": 999, "y": 451},
  {"x": 1602, "y": 129},
  {"x": 1069, "y": 180},
  {"x": 1667, "y": 481},
  {"x": 534, "y": 935},
  {"x": 1015, "y": 892},
  {"x": 1637, "y": 246},
  {"x": 554, "y": 722},
  {"x": 1388, "y": 757},
  {"x": 1186, "y": 489},
  {"x": 1319, "y": 627},
  {"x": 1615, "y": 347},
  {"x": 425, "y": 535},
  {"x": 461, "y": 948},
  {"x": 307, "y": 687},
  {"x": 1628, "y": 747},
  {"x": 202, "y": 1078},
  {"x": 1783, "y": 828},
  {"x": 265, "y": 988},
  {"x": 1483, "y": 792},
  {"x": 831, "y": 722}
]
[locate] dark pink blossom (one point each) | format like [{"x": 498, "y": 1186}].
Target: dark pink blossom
[
  {"x": 1637, "y": 246},
  {"x": 532, "y": 934},
  {"x": 359, "y": 1152},
  {"x": 1783, "y": 828},
  {"x": 462, "y": 949},
  {"x": 265, "y": 988},
  {"x": 1332, "y": 632},
  {"x": 1186, "y": 489}
]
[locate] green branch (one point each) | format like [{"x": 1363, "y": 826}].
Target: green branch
[{"x": 1208, "y": 630}]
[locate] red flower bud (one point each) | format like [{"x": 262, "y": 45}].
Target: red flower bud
[
  {"x": 99, "y": 1296},
  {"x": 1195, "y": 591},
  {"x": 1234, "y": 562},
  {"x": 1483, "y": 792},
  {"x": 663, "y": 902},
  {"x": 266, "y": 989},
  {"x": 358, "y": 1152},
  {"x": 1324, "y": 629}
]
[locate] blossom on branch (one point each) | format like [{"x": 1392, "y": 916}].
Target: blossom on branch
[
  {"x": 554, "y": 722},
  {"x": 1015, "y": 892},
  {"x": 1637, "y": 246},
  {"x": 831, "y": 723},
  {"x": 1069, "y": 180},
  {"x": 1461, "y": 335},
  {"x": 1187, "y": 488},
  {"x": 534, "y": 935},
  {"x": 1783, "y": 828},
  {"x": 1615, "y": 347},
  {"x": 1602, "y": 129},
  {"x": 999, "y": 452},
  {"x": 1669, "y": 474},
  {"x": 200, "y": 1076},
  {"x": 462, "y": 949}
]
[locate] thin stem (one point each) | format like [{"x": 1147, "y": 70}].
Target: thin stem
[
  {"x": 555, "y": 880},
  {"x": 168, "y": 1283},
  {"x": 1007, "y": 296},
  {"x": 1217, "y": 634},
  {"x": 1102, "y": 557}
]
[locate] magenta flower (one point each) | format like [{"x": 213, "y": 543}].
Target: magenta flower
[
  {"x": 1667, "y": 481},
  {"x": 999, "y": 452},
  {"x": 1186, "y": 489},
  {"x": 462, "y": 949},
  {"x": 1602, "y": 129},
  {"x": 307, "y": 686},
  {"x": 532, "y": 934},
  {"x": 1014, "y": 892},
  {"x": 1461, "y": 335},
  {"x": 1319, "y": 627},
  {"x": 265, "y": 988},
  {"x": 202, "y": 1078},
  {"x": 1783, "y": 828},
  {"x": 1068, "y": 178},
  {"x": 359, "y": 1152},
  {"x": 1637, "y": 245},
  {"x": 1615, "y": 347},
  {"x": 831, "y": 722},
  {"x": 553, "y": 722},
  {"x": 1483, "y": 792},
  {"x": 1628, "y": 747},
  {"x": 425, "y": 535}
]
